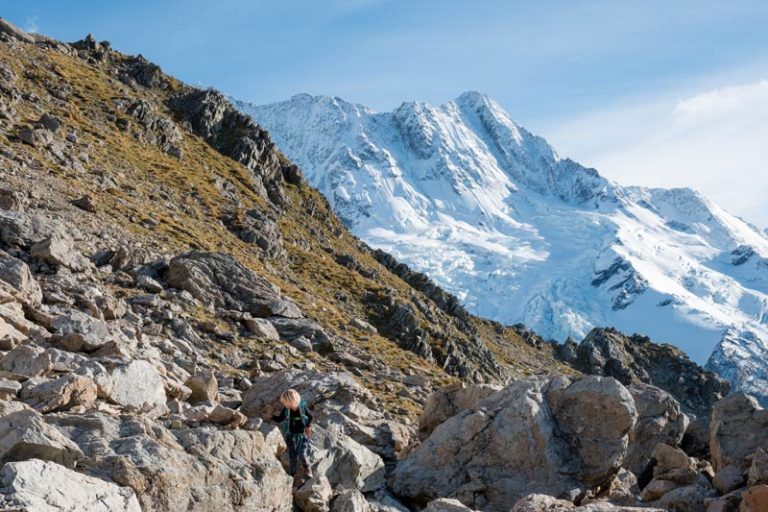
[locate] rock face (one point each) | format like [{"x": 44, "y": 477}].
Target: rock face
[
  {"x": 659, "y": 420},
  {"x": 211, "y": 116},
  {"x": 548, "y": 424},
  {"x": 221, "y": 280},
  {"x": 451, "y": 400},
  {"x": 738, "y": 428},
  {"x": 28, "y": 485},
  {"x": 631, "y": 359}
]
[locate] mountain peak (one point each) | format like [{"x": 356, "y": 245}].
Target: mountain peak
[{"x": 492, "y": 213}]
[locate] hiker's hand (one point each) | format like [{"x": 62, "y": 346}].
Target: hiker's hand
[{"x": 307, "y": 431}]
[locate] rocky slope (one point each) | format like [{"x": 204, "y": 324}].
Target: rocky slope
[
  {"x": 496, "y": 217},
  {"x": 165, "y": 273}
]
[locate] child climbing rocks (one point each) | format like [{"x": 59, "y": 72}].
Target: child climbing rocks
[{"x": 296, "y": 423}]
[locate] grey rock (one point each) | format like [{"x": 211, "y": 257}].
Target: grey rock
[
  {"x": 138, "y": 386},
  {"x": 314, "y": 495},
  {"x": 350, "y": 500},
  {"x": 204, "y": 387},
  {"x": 65, "y": 393},
  {"x": 28, "y": 485},
  {"x": 81, "y": 332},
  {"x": 660, "y": 420},
  {"x": 221, "y": 280},
  {"x": 25, "y": 435},
  {"x": 58, "y": 250},
  {"x": 451, "y": 400},
  {"x": 739, "y": 426},
  {"x": 262, "y": 328},
  {"x": 635, "y": 359},
  {"x": 17, "y": 280},
  {"x": 549, "y": 424}
]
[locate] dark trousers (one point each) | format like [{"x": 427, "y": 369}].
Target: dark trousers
[{"x": 297, "y": 449}]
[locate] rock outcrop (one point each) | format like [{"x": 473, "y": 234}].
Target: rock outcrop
[
  {"x": 631, "y": 359},
  {"x": 548, "y": 425}
]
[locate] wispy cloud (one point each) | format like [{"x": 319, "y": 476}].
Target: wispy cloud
[
  {"x": 32, "y": 25},
  {"x": 712, "y": 141}
]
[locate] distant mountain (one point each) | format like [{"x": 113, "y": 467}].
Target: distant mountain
[{"x": 519, "y": 234}]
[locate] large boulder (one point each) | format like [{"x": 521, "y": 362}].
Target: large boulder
[
  {"x": 17, "y": 280},
  {"x": 138, "y": 386},
  {"x": 24, "y": 434},
  {"x": 79, "y": 332},
  {"x": 566, "y": 437},
  {"x": 314, "y": 495},
  {"x": 204, "y": 469},
  {"x": 45, "y": 486},
  {"x": 70, "y": 392},
  {"x": 345, "y": 462},
  {"x": 660, "y": 420},
  {"x": 324, "y": 392},
  {"x": 60, "y": 251},
  {"x": 204, "y": 387},
  {"x": 451, "y": 400},
  {"x": 544, "y": 503},
  {"x": 739, "y": 426},
  {"x": 221, "y": 280},
  {"x": 25, "y": 230}
]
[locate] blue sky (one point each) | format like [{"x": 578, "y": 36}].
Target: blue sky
[{"x": 602, "y": 80}]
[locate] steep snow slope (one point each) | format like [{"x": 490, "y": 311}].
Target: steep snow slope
[{"x": 494, "y": 215}]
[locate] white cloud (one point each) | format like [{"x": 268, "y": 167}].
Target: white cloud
[
  {"x": 31, "y": 25},
  {"x": 713, "y": 141}
]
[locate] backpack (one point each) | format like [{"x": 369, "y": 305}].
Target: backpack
[{"x": 302, "y": 413}]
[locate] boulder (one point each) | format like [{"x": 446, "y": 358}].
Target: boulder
[
  {"x": 262, "y": 328},
  {"x": 45, "y": 486},
  {"x": 754, "y": 499},
  {"x": 350, "y": 500},
  {"x": 345, "y": 462},
  {"x": 67, "y": 392},
  {"x": 85, "y": 203},
  {"x": 677, "y": 484},
  {"x": 17, "y": 280},
  {"x": 79, "y": 332},
  {"x": 204, "y": 387},
  {"x": 314, "y": 495},
  {"x": 544, "y": 503},
  {"x": 23, "y": 360},
  {"x": 205, "y": 468},
  {"x": 758, "y": 470},
  {"x": 451, "y": 400},
  {"x": 331, "y": 391},
  {"x": 9, "y": 389},
  {"x": 24, "y": 434},
  {"x": 549, "y": 424},
  {"x": 660, "y": 420},
  {"x": 59, "y": 250},
  {"x": 138, "y": 386},
  {"x": 221, "y": 280},
  {"x": 25, "y": 230},
  {"x": 739, "y": 426}
]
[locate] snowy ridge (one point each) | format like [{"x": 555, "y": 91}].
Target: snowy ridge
[{"x": 495, "y": 216}]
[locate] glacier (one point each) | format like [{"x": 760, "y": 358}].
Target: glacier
[{"x": 493, "y": 214}]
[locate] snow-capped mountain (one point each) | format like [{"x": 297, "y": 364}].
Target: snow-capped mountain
[{"x": 494, "y": 215}]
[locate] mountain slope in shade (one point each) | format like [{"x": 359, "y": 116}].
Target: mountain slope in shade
[{"x": 519, "y": 234}]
